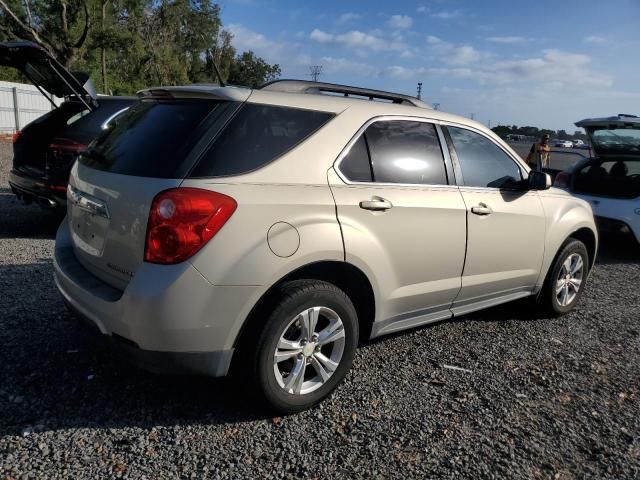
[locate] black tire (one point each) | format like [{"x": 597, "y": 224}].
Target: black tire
[
  {"x": 292, "y": 299},
  {"x": 548, "y": 298}
]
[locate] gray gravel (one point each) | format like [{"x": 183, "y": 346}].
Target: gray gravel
[{"x": 541, "y": 398}]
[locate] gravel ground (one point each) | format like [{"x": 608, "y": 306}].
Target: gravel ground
[{"x": 540, "y": 398}]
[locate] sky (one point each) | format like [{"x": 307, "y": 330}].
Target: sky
[{"x": 541, "y": 63}]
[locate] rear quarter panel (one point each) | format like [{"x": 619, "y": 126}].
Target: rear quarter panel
[{"x": 257, "y": 246}]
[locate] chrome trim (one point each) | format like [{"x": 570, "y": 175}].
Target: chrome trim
[
  {"x": 358, "y": 134},
  {"x": 88, "y": 203},
  {"x": 106, "y": 123}
]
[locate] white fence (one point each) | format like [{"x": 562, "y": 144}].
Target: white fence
[{"x": 20, "y": 104}]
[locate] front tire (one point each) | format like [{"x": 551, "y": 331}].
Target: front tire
[
  {"x": 306, "y": 346},
  {"x": 566, "y": 279}
]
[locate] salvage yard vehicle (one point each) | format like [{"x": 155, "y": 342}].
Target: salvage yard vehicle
[
  {"x": 610, "y": 181},
  {"x": 265, "y": 232},
  {"x": 45, "y": 149}
]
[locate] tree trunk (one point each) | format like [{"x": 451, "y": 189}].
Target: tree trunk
[{"x": 103, "y": 53}]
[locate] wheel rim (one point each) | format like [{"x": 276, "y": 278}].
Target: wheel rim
[
  {"x": 569, "y": 279},
  {"x": 309, "y": 350}
]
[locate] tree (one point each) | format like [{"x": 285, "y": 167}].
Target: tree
[
  {"x": 134, "y": 44},
  {"x": 251, "y": 71},
  {"x": 60, "y": 26}
]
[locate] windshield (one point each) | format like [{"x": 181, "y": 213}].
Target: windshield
[{"x": 616, "y": 140}]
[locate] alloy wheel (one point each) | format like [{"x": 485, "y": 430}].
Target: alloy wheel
[{"x": 309, "y": 350}]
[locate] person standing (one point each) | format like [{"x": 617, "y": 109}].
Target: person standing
[{"x": 538, "y": 157}]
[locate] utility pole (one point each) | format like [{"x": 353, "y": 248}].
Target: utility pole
[
  {"x": 315, "y": 72},
  {"x": 436, "y": 106},
  {"x": 473, "y": 116},
  {"x": 419, "y": 90},
  {"x": 489, "y": 123}
]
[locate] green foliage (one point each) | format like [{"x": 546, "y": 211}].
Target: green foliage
[
  {"x": 133, "y": 44},
  {"x": 251, "y": 71}
]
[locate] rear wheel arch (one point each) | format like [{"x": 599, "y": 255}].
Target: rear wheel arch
[{"x": 343, "y": 275}]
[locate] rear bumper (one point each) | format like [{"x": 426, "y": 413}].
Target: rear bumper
[
  {"x": 42, "y": 191},
  {"x": 169, "y": 318}
]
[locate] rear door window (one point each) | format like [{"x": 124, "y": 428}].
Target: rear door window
[
  {"x": 153, "y": 138},
  {"x": 257, "y": 135},
  {"x": 404, "y": 151}
]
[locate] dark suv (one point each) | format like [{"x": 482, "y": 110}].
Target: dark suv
[{"x": 46, "y": 148}]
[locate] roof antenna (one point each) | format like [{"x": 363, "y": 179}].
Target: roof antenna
[{"x": 215, "y": 67}]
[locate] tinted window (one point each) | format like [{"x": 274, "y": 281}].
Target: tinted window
[
  {"x": 257, "y": 135},
  {"x": 151, "y": 139},
  {"x": 482, "y": 162},
  {"x": 405, "y": 152},
  {"x": 355, "y": 165},
  {"x": 613, "y": 178},
  {"x": 87, "y": 125}
]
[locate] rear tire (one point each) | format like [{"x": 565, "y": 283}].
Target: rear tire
[
  {"x": 566, "y": 279},
  {"x": 306, "y": 346}
]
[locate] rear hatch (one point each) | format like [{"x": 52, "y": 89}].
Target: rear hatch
[
  {"x": 151, "y": 148},
  {"x": 46, "y": 73},
  {"x": 613, "y": 136}
]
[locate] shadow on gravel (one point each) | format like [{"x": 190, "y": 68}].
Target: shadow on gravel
[
  {"x": 58, "y": 374},
  {"x": 26, "y": 221}
]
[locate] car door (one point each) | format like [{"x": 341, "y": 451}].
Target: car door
[
  {"x": 402, "y": 221},
  {"x": 505, "y": 222}
]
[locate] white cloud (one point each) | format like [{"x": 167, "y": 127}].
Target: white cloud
[
  {"x": 553, "y": 70},
  {"x": 400, "y": 21},
  {"x": 348, "y": 17},
  {"x": 245, "y": 39},
  {"x": 595, "y": 40},
  {"x": 453, "y": 54},
  {"x": 344, "y": 65},
  {"x": 321, "y": 37},
  {"x": 506, "y": 39},
  {"x": 447, "y": 14},
  {"x": 356, "y": 39},
  {"x": 423, "y": 9}
]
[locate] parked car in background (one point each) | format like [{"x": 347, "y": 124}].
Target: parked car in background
[
  {"x": 577, "y": 143},
  {"x": 45, "y": 149},
  {"x": 561, "y": 143},
  {"x": 610, "y": 181},
  {"x": 266, "y": 232}
]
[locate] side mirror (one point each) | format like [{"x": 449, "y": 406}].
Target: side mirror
[{"x": 539, "y": 180}]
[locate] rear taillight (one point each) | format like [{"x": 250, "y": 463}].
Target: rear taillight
[
  {"x": 182, "y": 221},
  {"x": 16, "y": 136},
  {"x": 561, "y": 180},
  {"x": 67, "y": 146}
]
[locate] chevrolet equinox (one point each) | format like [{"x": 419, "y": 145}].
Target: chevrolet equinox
[{"x": 264, "y": 233}]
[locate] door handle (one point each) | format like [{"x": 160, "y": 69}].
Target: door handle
[
  {"x": 376, "y": 204},
  {"x": 481, "y": 209}
]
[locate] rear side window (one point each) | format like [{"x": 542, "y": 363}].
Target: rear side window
[
  {"x": 355, "y": 164},
  {"x": 257, "y": 135},
  {"x": 406, "y": 152},
  {"x": 483, "y": 163},
  {"x": 151, "y": 139}
]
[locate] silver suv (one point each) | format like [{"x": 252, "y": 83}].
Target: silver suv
[{"x": 215, "y": 230}]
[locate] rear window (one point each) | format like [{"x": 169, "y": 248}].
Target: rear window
[
  {"x": 151, "y": 139},
  {"x": 257, "y": 135}
]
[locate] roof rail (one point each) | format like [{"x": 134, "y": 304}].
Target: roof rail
[{"x": 306, "y": 86}]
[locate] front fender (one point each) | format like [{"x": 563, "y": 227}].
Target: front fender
[{"x": 565, "y": 215}]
